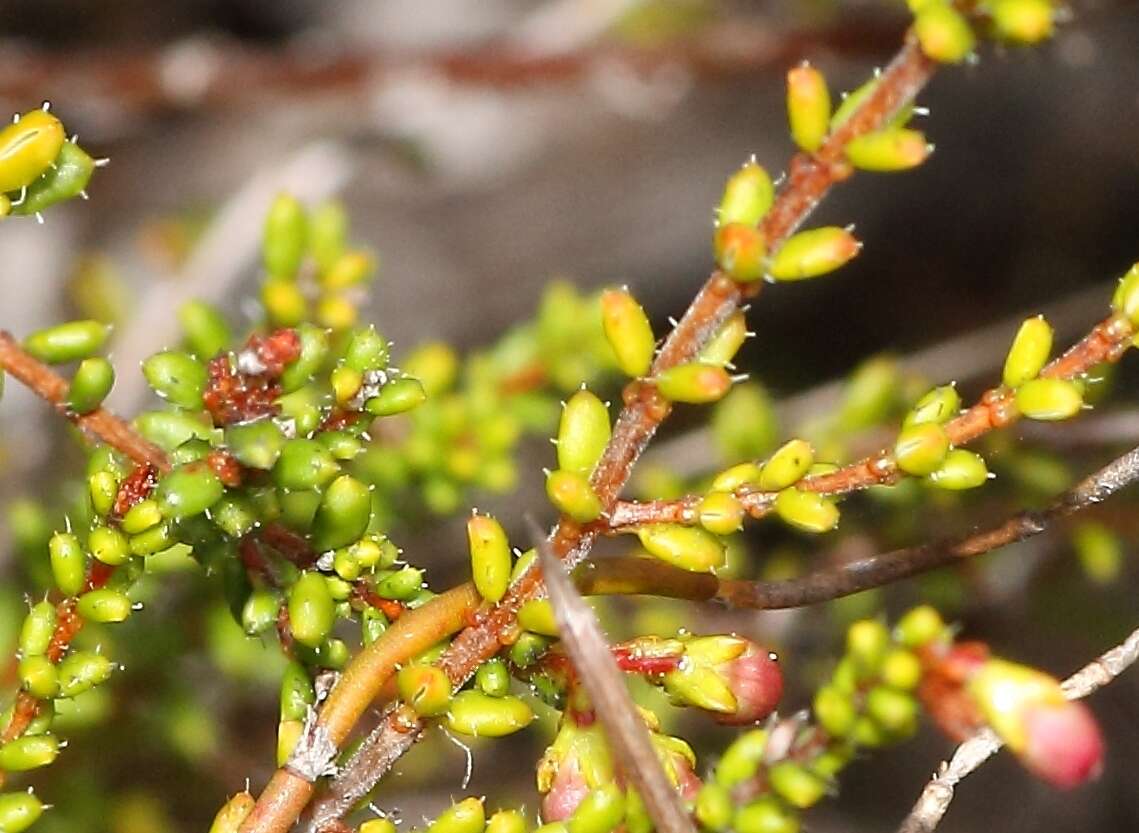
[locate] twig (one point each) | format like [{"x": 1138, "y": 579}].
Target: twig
[
  {"x": 1107, "y": 342},
  {"x": 962, "y": 358},
  {"x": 810, "y": 179},
  {"x": 934, "y": 801},
  {"x": 629, "y": 576},
  {"x": 210, "y": 74},
  {"x": 100, "y": 423}
]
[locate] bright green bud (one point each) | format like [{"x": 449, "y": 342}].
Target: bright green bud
[
  {"x": 528, "y": 649},
  {"x": 204, "y": 328},
  {"x": 28, "y": 147},
  {"x": 687, "y": 547},
  {"x": 19, "y": 811},
  {"x": 67, "y": 342},
  {"x": 809, "y": 254},
  {"x": 344, "y": 514},
  {"x": 505, "y": 821},
  {"x": 154, "y": 539},
  {"x": 38, "y": 629},
  {"x": 187, "y": 491},
  {"x": 748, "y": 195},
  {"x": 893, "y": 710},
  {"x": 346, "y": 383},
  {"x": 944, "y": 33},
  {"x": 742, "y": 758},
  {"x": 786, "y": 466},
  {"x": 490, "y": 557},
  {"x": 537, "y": 616},
  {"x": 834, "y": 710},
  {"x": 741, "y": 474},
  {"x": 283, "y": 243},
  {"x": 1100, "y": 551},
  {"x": 723, "y": 346},
  {"x": 373, "y": 623},
  {"x": 397, "y": 397},
  {"x": 304, "y": 464},
  {"x": 255, "y": 444},
  {"x": 884, "y": 151},
  {"x": 103, "y": 487},
  {"x": 1049, "y": 399},
  {"x": 938, "y": 406},
  {"x": 385, "y": 826},
  {"x": 1029, "y": 352},
  {"x": 467, "y": 816},
  {"x": 571, "y": 493},
  {"x": 171, "y": 429},
  {"x": 901, "y": 670},
  {"x": 601, "y": 811},
  {"x": 867, "y": 641},
  {"x": 720, "y": 513},
  {"x": 740, "y": 250},
  {"x": 82, "y": 671},
  {"x": 583, "y": 433},
  {"x": 90, "y": 385},
  {"x": 714, "y": 807},
  {"x": 425, "y": 688},
  {"x": 1125, "y": 300},
  {"x": 327, "y": 233},
  {"x": 28, "y": 752},
  {"x": 628, "y": 332},
  {"x": 474, "y": 713},
  {"x": 695, "y": 383},
  {"x": 960, "y": 469},
  {"x": 104, "y": 605},
  {"x": 350, "y": 269},
  {"x": 870, "y": 394},
  {"x": 68, "y": 563},
  {"x": 795, "y": 784},
  {"x": 920, "y": 449},
  {"x": 259, "y": 613},
  {"x": 367, "y": 350},
  {"x": 435, "y": 364},
  {"x": 493, "y": 678},
  {"x": 920, "y": 626},
  {"x": 314, "y": 349},
  {"x": 38, "y": 677},
  {"x": 1022, "y": 21},
  {"x": 177, "y": 377},
  {"x": 402, "y": 584},
  {"x": 808, "y": 107},
  {"x": 855, "y": 99},
  {"x": 297, "y": 693},
  {"x": 233, "y": 813},
  {"x": 311, "y": 610},
  {"x": 808, "y": 511},
  {"x": 766, "y": 815}
]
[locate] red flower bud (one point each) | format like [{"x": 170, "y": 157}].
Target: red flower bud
[{"x": 566, "y": 792}]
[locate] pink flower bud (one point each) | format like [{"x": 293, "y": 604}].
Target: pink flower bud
[
  {"x": 756, "y": 680},
  {"x": 1064, "y": 745},
  {"x": 566, "y": 791}
]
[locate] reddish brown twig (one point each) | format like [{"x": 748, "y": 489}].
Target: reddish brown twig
[
  {"x": 100, "y": 423},
  {"x": 233, "y": 75},
  {"x": 811, "y": 177},
  {"x": 636, "y": 576},
  {"x": 1107, "y": 342}
]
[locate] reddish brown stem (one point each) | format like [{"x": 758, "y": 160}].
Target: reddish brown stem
[
  {"x": 100, "y": 423},
  {"x": 1107, "y": 342}
]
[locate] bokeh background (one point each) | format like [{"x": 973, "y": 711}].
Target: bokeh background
[{"x": 486, "y": 147}]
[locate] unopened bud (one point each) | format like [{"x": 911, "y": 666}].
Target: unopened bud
[
  {"x": 809, "y": 254},
  {"x": 740, "y": 250},
  {"x": 944, "y": 33},
  {"x": 689, "y": 548},
  {"x": 571, "y": 493},
  {"x": 808, "y": 511},
  {"x": 490, "y": 557},
  {"x": 628, "y": 332},
  {"x": 1049, "y": 399},
  {"x": 885, "y": 151},
  {"x": 1029, "y": 352},
  {"x": 747, "y": 196},
  {"x": 786, "y": 466},
  {"x": 695, "y": 383},
  {"x": 808, "y": 107},
  {"x": 583, "y": 432}
]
